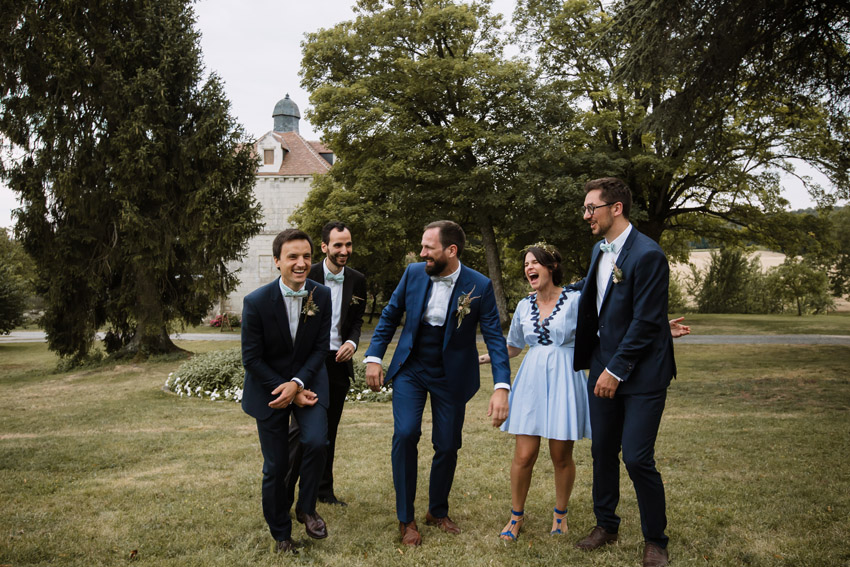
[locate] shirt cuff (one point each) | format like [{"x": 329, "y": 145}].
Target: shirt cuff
[
  {"x": 352, "y": 344},
  {"x": 369, "y": 359},
  {"x": 298, "y": 381},
  {"x": 501, "y": 386},
  {"x": 614, "y": 375}
]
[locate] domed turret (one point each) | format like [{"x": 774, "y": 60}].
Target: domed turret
[{"x": 286, "y": 115}]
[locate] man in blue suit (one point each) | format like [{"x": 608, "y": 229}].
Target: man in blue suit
[
  {"x": 285, "y": 338},
  {"x": 623, "y": 337},
  {"x": 444, "y": 303}
]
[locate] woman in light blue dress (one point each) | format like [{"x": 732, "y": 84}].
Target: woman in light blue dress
[{"x": 548, "y": 398}]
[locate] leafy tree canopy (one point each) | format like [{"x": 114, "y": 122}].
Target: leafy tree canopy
[{"x": 135, "y": 181}]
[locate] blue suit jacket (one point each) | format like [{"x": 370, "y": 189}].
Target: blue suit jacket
[
  {"x": 460, "y": 354},
  {"x": 630, "y": 335},
  {"x": 269, "y": 354}
]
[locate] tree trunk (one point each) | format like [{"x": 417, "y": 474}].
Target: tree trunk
[
  {"x": 494, "y": 266},
  {"x": 151, "y": 336}
]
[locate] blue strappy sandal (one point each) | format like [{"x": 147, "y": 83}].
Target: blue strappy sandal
[
  {"x": 509, "y": 535},
  {"x": 559, "y": 521}
]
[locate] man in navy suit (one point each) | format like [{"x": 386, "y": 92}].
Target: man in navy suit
[
  {"x": 444, "y": 303},
  {"x": 285, "y": 329},
  {"x": 348, "y": 298},
  {"x": 623, "y": 337}
]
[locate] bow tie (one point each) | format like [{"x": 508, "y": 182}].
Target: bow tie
[
  {"x": 443, "y": 280},
  {"x": 338, "y": 278},
  {"x": 605, "y": 247},
  {"x": 290, "y": 293}
]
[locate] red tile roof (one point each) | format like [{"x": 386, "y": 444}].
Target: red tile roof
[{"x": 300, "y": 157}]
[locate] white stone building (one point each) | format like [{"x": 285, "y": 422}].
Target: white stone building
[{"x": 286, "y": 163}]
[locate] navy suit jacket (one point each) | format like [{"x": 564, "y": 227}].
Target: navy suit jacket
[
  {"x": 460, "y": 354},
  {"x": 269, "y": 354},
  {"x": 351, "y": 313},
  {"x": 631, "y": 334}
]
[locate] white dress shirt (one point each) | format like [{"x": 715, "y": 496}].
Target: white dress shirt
[
  {"x": 604, "y": 269},
  {"x": 336, "y": 303},
  {"x": 293, "y": 313},
  {"x": 438, "y": 303}
]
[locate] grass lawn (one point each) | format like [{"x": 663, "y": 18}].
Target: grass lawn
[
  {"x": 740, "y": 324},
  {"x": 99, "y": 464}
]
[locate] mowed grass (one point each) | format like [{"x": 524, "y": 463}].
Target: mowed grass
[
  {"x": 100, "y": 465},
  {"x": 747, "y": 324}
]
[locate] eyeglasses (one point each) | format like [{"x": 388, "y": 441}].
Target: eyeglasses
[{"x": 590, "y": 209}]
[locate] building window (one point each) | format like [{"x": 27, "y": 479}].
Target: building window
[{"x": 268, "y": 157}]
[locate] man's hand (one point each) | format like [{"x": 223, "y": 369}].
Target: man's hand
[
  {"x": 606, "y": 385},
  {"x": 498, "y": 409},
  {"x": 677, "y": 329},
  {"x": 305, "y": 398},
  {"x": 286, "y": 392},
  {"x": 374, "y": 376},
  {"x": 345, "y": 352},
  {"x": 484, "y": 359}
]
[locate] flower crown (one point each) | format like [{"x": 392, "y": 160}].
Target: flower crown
[{"x": 546, "y": 247}]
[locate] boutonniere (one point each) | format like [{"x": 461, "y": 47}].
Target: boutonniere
[
  {"x": 463, "y": 304},
  {"x": 356, "y": 300},
  {"x": 617, "y": 273},
  {"x": 310, "y": 308}
]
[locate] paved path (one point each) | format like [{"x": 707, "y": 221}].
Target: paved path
[{"x": 843, "y": 340}]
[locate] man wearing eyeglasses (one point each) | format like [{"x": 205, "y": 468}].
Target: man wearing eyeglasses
[{"x": 623, "y": 337}]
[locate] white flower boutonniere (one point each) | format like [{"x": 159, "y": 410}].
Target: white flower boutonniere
[
  {"x": 463, "y": 304},
  {"x": 310, "y": 308},
  {"x": 616, "y": 273}
]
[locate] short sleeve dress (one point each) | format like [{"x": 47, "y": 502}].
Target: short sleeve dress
[{"x": 548, "y": 398}]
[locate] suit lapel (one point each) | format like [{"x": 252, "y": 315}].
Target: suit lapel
[
  {"x": 347, "y": 292},
  {"x": 280, "y": 314},
  {"x": 463, "y": 286},
  {"x": 621, "y": 258},
  {"x": 304, "y": 320}
]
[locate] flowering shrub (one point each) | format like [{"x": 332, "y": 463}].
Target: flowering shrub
[
  {"x": 219, "y": 375},
  {"x": 232, "y": 317},
  {"x": 360, "y": 392},
  {"x": 215, "y": 375}
]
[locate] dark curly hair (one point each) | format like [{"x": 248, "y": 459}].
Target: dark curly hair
[{"x": 548, "y": 256}]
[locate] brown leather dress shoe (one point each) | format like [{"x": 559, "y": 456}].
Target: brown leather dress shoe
[
  {"x": 285, "y": 546},
  {"x": 410, "y": 534},
  {"x": 314, "y": 525},
  {"x": 655, "y": 556},
  {"x": 596, "y": 539},
  {"x": 445, "y": 523}
]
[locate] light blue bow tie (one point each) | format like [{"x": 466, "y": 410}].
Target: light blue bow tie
[
  {"x": 338, "y": 278},
  {"x": 443, "y": 280},
  {"x": 290, "y": 293},
  {"x": 605, "y": 247}
]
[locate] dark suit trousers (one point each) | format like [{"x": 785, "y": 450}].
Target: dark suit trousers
[
  {"x": 274, "y": 442},
  {"x": 339, "y": 384},
  {"x": 421, "y": 375},
  {"x": 629, "y": 422}
]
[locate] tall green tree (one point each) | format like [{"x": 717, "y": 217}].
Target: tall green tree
[
  {"x": 16, "y": 283},
  {"x": 135, "y": 180},
  {"x": 728, "y": 52},
  {"x": 426, "y": 115},
  {"x": 717, "y": 160}
]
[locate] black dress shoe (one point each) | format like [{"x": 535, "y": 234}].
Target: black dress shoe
[
  {"x": 314, "y": 525},
  {"x": 285, "y": 546},
  {"x": 332, "y": 499}
]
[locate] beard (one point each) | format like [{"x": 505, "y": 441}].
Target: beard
[
  {"x": 437, "y": 268},
  {"x": 336, "y": 261}
]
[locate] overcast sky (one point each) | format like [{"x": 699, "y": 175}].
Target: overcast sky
[{"x": 255, "y": 47}]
